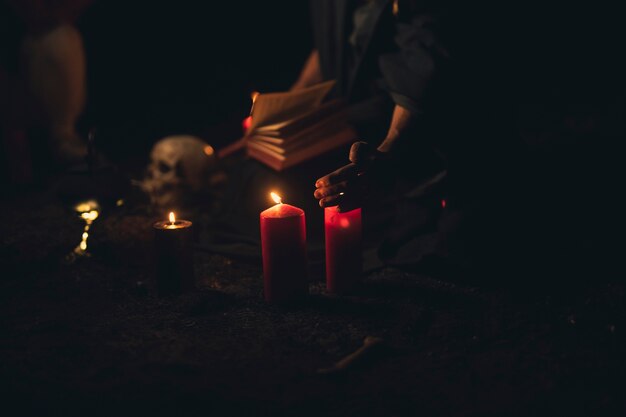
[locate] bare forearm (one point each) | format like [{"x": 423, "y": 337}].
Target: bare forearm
[
  {"x": 401, "y": 120},
  {"x": 311, "y": 73}
]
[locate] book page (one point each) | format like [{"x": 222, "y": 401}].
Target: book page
[
  {"x": 277, "y": 107},
  {"x": 285, "y": 127}
]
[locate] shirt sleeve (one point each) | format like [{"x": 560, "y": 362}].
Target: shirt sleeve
[{"x": 413, "y": 68}]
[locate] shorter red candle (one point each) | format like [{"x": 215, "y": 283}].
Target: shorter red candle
[
  {"x": 283, "y": 245},
  {"x": 343, "y": 249}
]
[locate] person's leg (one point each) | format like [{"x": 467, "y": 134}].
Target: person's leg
[{"x": 53, "y": 66}]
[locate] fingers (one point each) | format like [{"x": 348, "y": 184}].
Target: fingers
[
  {"x": 331, "y": 201},
  {"x": 344, "y": 202},
  {"x": 347, "y": 195},
  {"x": 342, "y": 174},
  {"x": 360, "y": 152},
  {"x": 331, "y": 190},
  {"x": 345, "y": 187}
]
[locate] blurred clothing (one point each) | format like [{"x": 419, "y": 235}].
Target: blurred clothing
[
  {"x": 518, "y": 103},
  {"x": 43, "y": 80}
]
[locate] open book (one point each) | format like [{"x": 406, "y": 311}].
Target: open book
[{"x": 291, "y": 127}]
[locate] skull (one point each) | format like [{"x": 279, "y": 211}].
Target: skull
[{"x": 180, "y": 167}]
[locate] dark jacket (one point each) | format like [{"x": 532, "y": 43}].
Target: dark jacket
[{"x": 426, "y": 56}]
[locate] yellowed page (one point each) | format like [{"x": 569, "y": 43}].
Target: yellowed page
[{"x": 277, "y": 107}]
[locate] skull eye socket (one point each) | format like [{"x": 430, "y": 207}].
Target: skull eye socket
[{"x": 163, "y": 167}]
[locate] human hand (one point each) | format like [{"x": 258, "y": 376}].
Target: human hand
[{"x": 368, "y": 175}]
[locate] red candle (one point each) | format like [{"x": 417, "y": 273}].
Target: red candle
[
  {"x": 283, "y": 244},
  {"x": 343, "y": 249}
]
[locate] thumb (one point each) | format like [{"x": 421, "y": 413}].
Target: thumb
[{"x": 361, "y": 153}]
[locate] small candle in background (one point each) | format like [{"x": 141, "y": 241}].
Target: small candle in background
[
  {"x": 343, "y": 249},
  {"x": 283, "y": 243},
  {"x": 173, "y": 256}
]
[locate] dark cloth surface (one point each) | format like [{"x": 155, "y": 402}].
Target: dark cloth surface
[{"x": 92, "y": 338}]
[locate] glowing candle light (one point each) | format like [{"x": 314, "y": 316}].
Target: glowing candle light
[
  {"x": 277, "y": 199},
  {"x": 283, "y": 243},
  {"x": 208, "y": 150},
  {"x": 247, "y": 122},
  {"x": 173, "y": 255},
  {"x": 89, "y": 212},
  {"x": 343, "y": 249}
]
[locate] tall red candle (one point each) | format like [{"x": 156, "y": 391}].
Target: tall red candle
[
  {"x": 283, "y": 244},
  {"x": 343, "y": 249}
]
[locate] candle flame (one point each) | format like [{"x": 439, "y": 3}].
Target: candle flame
[
  {"x": 276, "y": 198},
  {"x": 172, "y": 217}
]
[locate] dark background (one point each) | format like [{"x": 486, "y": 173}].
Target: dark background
[{"x": 161, "y": 68}]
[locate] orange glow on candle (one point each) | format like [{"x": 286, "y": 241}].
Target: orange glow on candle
[
  {"x": 172, "y": 223},
  {"x": 343, "y": 234}
]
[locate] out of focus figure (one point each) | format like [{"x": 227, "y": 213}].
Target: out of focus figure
[
  {"x": 42, "y": 77},
  {"x": 483, "y": 120}
]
